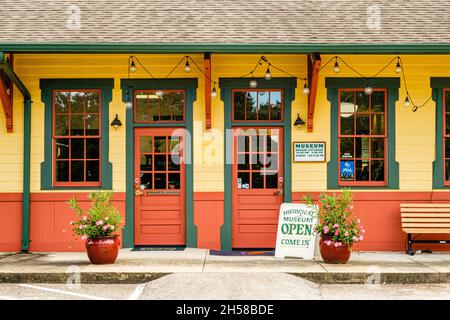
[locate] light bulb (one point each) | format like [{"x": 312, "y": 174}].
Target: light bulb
[
  {"x": 187, "y": 67},
  {"x": 398, "y": 67},
  {"x": 133, "y": 67},
  {"x": 306, "y": 89},
  {"x": 268, "y": 75},
  {"x": 214, "y": 92},
  {"x": 159, "y": 93},
  {"x": 128, "y": 105},
  {"x": 368, "y": 90},
  {"x": 407, "y": 104},
  {"x": 336, "y": 67},
  {"x": 253, "y": 83}
]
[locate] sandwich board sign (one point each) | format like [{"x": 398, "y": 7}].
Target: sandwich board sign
[{"x": 295, "y": 233}]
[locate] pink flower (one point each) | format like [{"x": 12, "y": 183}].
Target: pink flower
[
  {"x": 326, "y": 229},
  {"x": 335, "y": 225},
  {"x": 363, "y": 231},
  {"x": 83, "y": 237},
  {"x": 358, "y": 220},
  {"x": 80, "y": 227},
  {"x": 351, "y": 207},
  {"x": 105, "y": 227},
  {"x": 84, "y": 218},
  {"x": 346, "y": 233},
  {"x": 99, "y": 223},
  {"x": 336, "y": 232},
  {"x": 106, "y": 219},
  {"x": 355, "y": 238},
  {"x": 361, "y": 238}
]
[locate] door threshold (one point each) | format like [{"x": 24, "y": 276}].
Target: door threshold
[{"x": 158, "y": 248}]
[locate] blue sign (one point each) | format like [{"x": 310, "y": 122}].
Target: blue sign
[{"x": 347, "y": 170}]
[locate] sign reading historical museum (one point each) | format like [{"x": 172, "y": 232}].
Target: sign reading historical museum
[
  {"x": 295, "y": 234},
  {"x": 309, "y": 152}
]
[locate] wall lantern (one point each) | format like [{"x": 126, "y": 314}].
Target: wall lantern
[
  {"x": 116, "y": 123},
  {"x": 299, "y": 122}
]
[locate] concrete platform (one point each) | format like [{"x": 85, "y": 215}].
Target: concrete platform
[{"x": 143, "y": 266}]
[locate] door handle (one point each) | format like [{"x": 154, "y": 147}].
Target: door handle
[
  {"x": 278, "y": 192},
  {"x": 138, "y": 193}
]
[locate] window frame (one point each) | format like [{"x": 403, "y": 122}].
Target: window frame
[
  {"x": 70, "y": 137},
  {"x": 233, "y": 91},
  {"x": 385, "y": 136},
  {"x": 136, "y": 92},
  {"x": 444, "y": 135}
]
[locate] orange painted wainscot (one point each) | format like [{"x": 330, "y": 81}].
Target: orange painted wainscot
[
  {"x": 208, "y": 217},
  {"x": 50, "y": 217},
  {"x": 10, "y": 222},
  {"x": 380, "y": 215}
]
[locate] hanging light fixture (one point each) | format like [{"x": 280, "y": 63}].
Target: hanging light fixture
[
  {"x": 306, "y": 89},
  {"x": 214, "y": 92},
  {"x": 407, "y": 103},
  {"x": 159, "y": 93},
  {"x": 253, "y": 83},
  {"x": 299, "y": 122},
  {"x": 187, "y": 66},
  {"x": 116, "y": 123},
  {"x": 336, "y": 67},
  {"x": 132, "y": 66},
  {"x": 368, "y": 90},
  {"x": 268, "y": 75},
  {"x": 398, "y": 67}
]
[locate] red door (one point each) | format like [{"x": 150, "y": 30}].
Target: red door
[
  {"x": 257, "y": 186},
  {"x": 159, "y": 173}
]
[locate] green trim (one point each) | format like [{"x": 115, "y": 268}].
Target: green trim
[
  {"x": 392, "y": 85},
  {"x": 438, "y": 85},
  {"x": 13, "y": 76},
  {"x": 226, "y": 86},
  {"x": 47, "y": 86},
  {"x": 260, "y": 48},
  {"x": 128, "y": 86}
]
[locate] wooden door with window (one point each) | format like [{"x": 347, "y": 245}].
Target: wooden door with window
[
  {"x": 159, "y": 173},
  {"x": 257, "y": 186}
]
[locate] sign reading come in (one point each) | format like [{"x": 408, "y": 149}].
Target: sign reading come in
[{"x": 295, "y": 235}]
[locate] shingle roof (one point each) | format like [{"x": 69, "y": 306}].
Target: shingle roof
[{"x": 227, "y": 21}]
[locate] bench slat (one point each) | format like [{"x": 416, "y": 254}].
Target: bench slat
[
  {"x": 425, "y": 210},
  {"x": 425, "y": 215},
  {"x": 425, "y": 230},
  {"x": 424, "y": 205},
  {"x": 430, "y": 219},
  {"x": 426, "y": 225}
]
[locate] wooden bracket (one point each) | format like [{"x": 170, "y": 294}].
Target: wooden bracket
[
  {"x": 314, "y": 63},
  {"x": 207, "y": 60},
  {"x": 6, "y": 98}
]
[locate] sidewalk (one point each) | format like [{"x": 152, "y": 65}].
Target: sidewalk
[{"x": 134, "y": 267}]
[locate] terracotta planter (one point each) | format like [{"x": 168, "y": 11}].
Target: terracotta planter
[
  {"x": 103, "y": 250},
  {"x": 332, "y": 254}
]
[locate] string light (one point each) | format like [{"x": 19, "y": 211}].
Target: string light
[
  {"x": 253, "y": 83},
  {"x": 214, "y": 92},
  {"x": 336, "y": 67},
  {"x": 268, "y": 75},
  {"x": 368, "y": 90},
  {"x": 187, "y": 67},
  {"x": 398, "y": 67},
  {"x": 159, "y": 93},
  {"x": 407, "y": 103},
  {"x": 306, "y": 88},
  {"x": 133, "y": 67}
]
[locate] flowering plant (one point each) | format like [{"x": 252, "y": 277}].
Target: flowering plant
[
  {"x": 336, "y": 224},
  {"x": 102, "y": 219}
]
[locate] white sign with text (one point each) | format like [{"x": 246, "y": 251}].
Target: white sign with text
[{"x": 295, "y": 234}]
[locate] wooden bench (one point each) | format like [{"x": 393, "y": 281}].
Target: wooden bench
[{"x": 429, "y": 218}]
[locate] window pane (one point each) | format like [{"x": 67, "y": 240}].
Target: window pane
[
  {"x": 62, "y": 171},
  {"x": 257, "y": 180},
  {"x": 362, "y": 124},
  {"x": 347, "y": 169},
  {"x": 92, "y": 170},
  {"x": 272, "y": 143},
  {"x": 263, "y": 102},
  {"x": 160, "y": 162},
  {"x": 239, "y": 105},
  {"x": 347, "y": 124},
  {"x": 146, "y": 162},
  {"x": 62, "y": 125},
  {"x": 447, "y": 170},
  {"x": 271, "y": 161},
  {"x": 77, "y": 125},
  {"x": 447, "y": 123},
  {"x": 347, "y": 147},
  {"x": 243, "y": 161},
  {"x": 447, "y": 147},
  {"x": 174, "y": 144},
  {"x": 362, "y": 148},
  {"x": 77, "y": 171},
  {"x": 92, "y": 125},
  {"x": 275, "y": 105},
  {"x": 378, "y": 101},
  {"x": 160, "y": 144},
  {"x": 447, "y": 101},
  {"x": 153, "y": 108},
  {"x": 243, "y": 180},
  {"x": 174, "y": 181},
  {"x": 271, "y": 180},
  {"x": 377, "y": 124},
  {"x": 251, "y": 105},
  {"x": 93, "y": 148},
  {"x": 178, "y": 106},
  {"x": 362, "y": 102},
  {"x": 243, "y": 143},
  {"x": 77, "y": 148},
  {"x": 362, "y": 170},
  {"x": 160, "y": 181},
  {"x": 347, "y": 103},
  {"x": 377, "y": 170},
  {"x": 257, "y": 161},
  {"x": 141, "y": 107},
  {"x": 62, "y": 102},
  {"x": 62, "y": 148},
  {"x": 146, "y": 144},
  {"x": 377, "y": 148},
  {"x": 165, "y": 106},
  {"x": 92, "y": 102},
  {"x": 146, "y": 180},
  {"x": 174, "y": 162},
  {"x": 77, "y": 102}
]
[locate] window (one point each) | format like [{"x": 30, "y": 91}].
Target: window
[
  {"x": 152, "y": 108},
  {"x": 258, "y": 105},
  {"x": 77, "y": 137},
  {"x": 362, "y": 137},
  {"x": 446, "y": 117}
]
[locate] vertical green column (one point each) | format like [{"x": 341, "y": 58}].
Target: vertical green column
[{"x": 26, "y": 176}]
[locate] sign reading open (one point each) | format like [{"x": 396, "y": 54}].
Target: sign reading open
[{"x": 295, "y": 234}]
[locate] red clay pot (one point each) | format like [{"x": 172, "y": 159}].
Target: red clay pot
[
  {"x": 332, "y": 254},
  {"x": 103, "y": 250}
]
